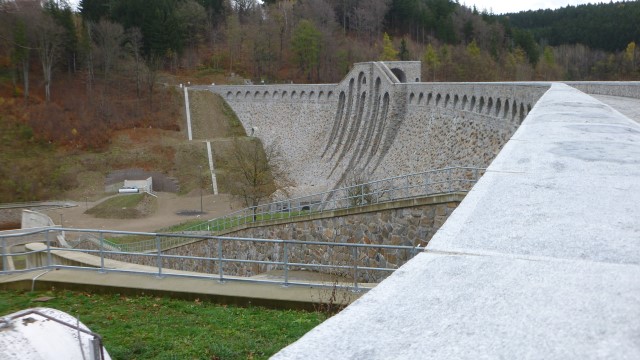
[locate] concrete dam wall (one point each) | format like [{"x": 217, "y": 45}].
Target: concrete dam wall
[{"x": 380, "y": 121}]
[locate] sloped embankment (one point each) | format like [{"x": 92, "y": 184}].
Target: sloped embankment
[{"x": 212, "y": 118}]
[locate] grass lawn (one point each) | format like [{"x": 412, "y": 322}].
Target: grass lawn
[
  {"x": 123, "y": 207},
  {"x": 219, "y": 224},
  {"x": 147, "y": 327}
]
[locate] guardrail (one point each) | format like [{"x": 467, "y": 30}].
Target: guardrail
[
  {"x": 426, "y": 183},
  {"x": 440, "y": 181},
  {"x": 353, "y": 262},
  {"x": 37, "y": 204}
]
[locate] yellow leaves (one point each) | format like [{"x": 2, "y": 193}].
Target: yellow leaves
[
  {"x": 389, "y": 53},
  {"x": 473, "y": 49}
]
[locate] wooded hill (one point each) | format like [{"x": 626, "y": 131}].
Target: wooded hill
[{"x": 73, "y": 77}]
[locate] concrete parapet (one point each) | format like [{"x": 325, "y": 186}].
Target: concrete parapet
[
  {"x": 612, "y": 88},
  {"x": 541, "y": 260}
]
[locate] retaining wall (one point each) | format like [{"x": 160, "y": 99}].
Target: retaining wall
[{"x": 405, "y": 223}]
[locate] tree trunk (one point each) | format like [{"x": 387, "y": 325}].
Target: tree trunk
[{"x": 25, "y": 79}]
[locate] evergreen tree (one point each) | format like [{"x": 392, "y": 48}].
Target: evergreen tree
[
  {"x": 389, "y": 53},
  {"x": 305, "y": 45},
  {"x": 404, "y": 52}
]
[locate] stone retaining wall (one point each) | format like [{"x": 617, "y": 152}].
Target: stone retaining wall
[
  {"x": 10, "y": 218},
  {"x": 405, "y": 225}
]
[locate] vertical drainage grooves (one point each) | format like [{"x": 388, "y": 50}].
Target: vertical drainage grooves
[
  {"x": 354, "y": 124},
  {"x": 383, "y": 122},
  {"x": 392, "y": 127},
  {"x": 353, "y": 132},
  {"x": 336, "y": 123},
  {"x": 353, "y": 129},
  {"x": 360, "y": 138},
  {"x": 344, "y": 124},
  {"x": 373, "y": 123}
]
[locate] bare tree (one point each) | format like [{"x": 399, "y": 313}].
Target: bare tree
[
  {"x": 244, "y": 8},
  {"x": 256, "y": 172},
  {"x": 108, "y": 37},
  {"x": 134, "y": 46},
  {"x": 49, "y": 40},
  {"x": 368, "y": 17},
  {"x": 151, "y": 74}
]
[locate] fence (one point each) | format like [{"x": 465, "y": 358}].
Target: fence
[
  {"x": 427, "y": 183},
  {"x": 440, "y": 181},
  {"x": 351, "y": 263}
]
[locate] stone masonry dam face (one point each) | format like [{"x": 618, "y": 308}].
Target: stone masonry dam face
[{"x": 379, "y": 122}]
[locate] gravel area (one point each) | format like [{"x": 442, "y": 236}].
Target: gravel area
[{"x": 169, "y": 206}]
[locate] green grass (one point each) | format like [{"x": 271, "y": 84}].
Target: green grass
[
  {"x": 217, "y": 225},
  {"x": 120, "y": 207},
  {"x": 225, "y": 224},
  {"x": 147, "y": 327}
]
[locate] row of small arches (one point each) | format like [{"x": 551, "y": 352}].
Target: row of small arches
[
  {"x": 311, "y": 95},
  {"x": 473, "y": 104}
]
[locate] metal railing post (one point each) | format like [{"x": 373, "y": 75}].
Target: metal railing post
[
  {"x": 286, "y": 264},
  {"x": 5, "y": 265},
  {"x": 355, "y": 268},
  {"x": 159, "y": 257},
  {"x": 220, "y": 270},
  {"x": 48, "y": 248},
  {"x": 102, "y": 252}
]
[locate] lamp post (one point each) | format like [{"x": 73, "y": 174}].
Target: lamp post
[{"x": 201, "y": 209}]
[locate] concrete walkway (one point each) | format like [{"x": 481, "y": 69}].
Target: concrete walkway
[
  {"x": 540, "y": 261},
  {"x": 628, "y": 107},
  {"x": 228, "y": 292}
]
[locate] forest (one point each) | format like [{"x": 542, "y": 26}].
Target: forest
[{"x": 97, "y": 68}]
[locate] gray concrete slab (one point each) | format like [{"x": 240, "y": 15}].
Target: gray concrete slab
[
  {"x": 232, "y": 292},
  {"x": 480, "y": 307},
  {"x": 629, "y": 107},
  {"x": 565, "y": 186},
  {"x": 540, "y": 261}
]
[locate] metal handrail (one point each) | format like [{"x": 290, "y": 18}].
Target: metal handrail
[
  {"x": 426, "y": 183},
  {"x": 31, "y": 204},
  {"x": 280, "y": 250},
  {"x": 410, "y": 186}
]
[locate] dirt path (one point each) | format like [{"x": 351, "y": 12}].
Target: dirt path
[{"x": 169, "y": 205}]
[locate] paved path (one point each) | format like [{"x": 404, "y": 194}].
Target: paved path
[
  {"x": 229, "y": 292},
  {"x": 629, "y": 107}
]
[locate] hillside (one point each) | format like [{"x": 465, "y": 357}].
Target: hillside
[{"x": 605, "y": 26}]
